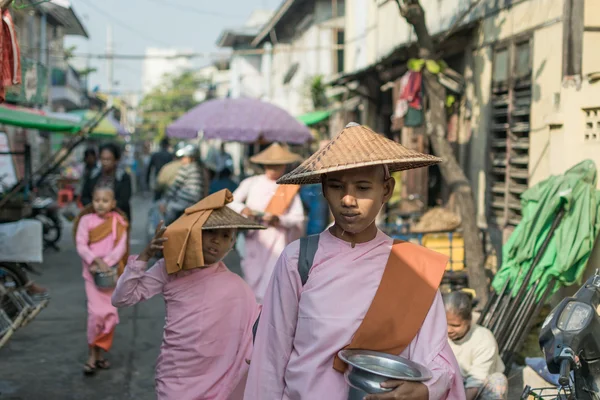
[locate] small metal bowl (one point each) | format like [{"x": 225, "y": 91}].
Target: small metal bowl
[
  {"x": 106, "y": 280},
  {"x": 368, "y": 369}
]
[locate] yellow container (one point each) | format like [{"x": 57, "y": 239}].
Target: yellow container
[{"x": 450, "y": 244}]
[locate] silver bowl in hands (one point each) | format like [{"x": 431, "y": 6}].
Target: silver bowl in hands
[
  {"x": 106, "y": 280},
  {"x": 367, "y": 370}
]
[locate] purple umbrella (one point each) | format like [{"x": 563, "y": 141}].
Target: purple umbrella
[{"x": 240, "y": 120}]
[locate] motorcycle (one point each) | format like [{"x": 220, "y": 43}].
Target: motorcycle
[
  {"x": 570, "y": 341},
  {"x": 46, "y": 210}
]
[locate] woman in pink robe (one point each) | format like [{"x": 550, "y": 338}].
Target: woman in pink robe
[
  {"x": 262, "y": 248},
  {"x": 207, "y": 340},
  {"x": 102, "y": 316}
]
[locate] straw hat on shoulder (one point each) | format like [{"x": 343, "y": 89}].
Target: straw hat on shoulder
[
  {"x": 275, "y": 154},
  {"x": 355, "y": 147}
]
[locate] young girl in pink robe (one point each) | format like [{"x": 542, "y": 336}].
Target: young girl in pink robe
[
  {"x": 100, "y": 255},
  {"x": 303, "y": 327},
  {"x": 207, "y": 342}
]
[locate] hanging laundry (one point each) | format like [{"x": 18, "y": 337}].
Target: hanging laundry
[
  {"x": 10, "y": 55},
  {"x": 412, "y": 90},
  {"x": 401, "y": 103}
]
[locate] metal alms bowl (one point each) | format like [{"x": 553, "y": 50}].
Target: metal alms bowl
[
  {"x": 106, "y": 280},
  {"x": 368, "y": 369}
]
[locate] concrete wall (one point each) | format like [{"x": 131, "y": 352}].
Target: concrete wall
[
  {"x": 542, "y": 19},
  {"x": 312, "y": 50},
  {"x": 246, "y": 77},
  {"x": 375, "y": 27}
]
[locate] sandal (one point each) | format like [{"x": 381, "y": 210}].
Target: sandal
[
  {"x": 102, "y": 364},
  {"x": 88, "y": 369}
]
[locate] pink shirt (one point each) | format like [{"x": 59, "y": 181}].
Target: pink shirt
[
  {"x": 208, "y": 327},
  {"x": 301, "y": 329},
  {"x": 263, "y": 247},
  {"x": 105, "y": 249}
]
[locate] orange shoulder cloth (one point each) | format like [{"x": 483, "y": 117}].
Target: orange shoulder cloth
[
  {"x": 408, "y": 287},
  {"x": 105, "y": 229},
  {"x": 282, "y": 199}
]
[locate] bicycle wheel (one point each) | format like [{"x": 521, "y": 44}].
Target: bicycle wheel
[{"x": 12, "y": 278}]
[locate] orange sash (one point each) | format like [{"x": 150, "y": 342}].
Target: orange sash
[
  {"x": 408, "y": 287},
  {"x": 282, "y": 199},
  {"x": 104, "y": 230}
]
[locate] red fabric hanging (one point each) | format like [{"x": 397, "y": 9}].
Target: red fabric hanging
[
  {"x": 10, "y": 55},
  {"x": 412, "y": 90}
]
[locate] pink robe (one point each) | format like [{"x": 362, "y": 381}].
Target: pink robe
[
  {"x": 102, "y": 316},
  {"x": 208, "y": 328},
  {"x": 301, "y": 329},
  {"x": 264, "y": 247}
]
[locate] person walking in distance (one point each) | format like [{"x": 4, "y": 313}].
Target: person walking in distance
[
  {"x": 277, "y": 207},
  {"x": 158, "y": 160}
]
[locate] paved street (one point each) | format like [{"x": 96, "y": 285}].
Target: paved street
[{"x": 44, "y": 359}]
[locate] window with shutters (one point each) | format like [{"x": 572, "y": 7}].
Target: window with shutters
[{"x": 509, "y": 131}]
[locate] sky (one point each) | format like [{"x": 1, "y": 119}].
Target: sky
[{"x": 138, "y": 24}]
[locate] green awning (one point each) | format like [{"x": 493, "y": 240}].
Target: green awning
[
  {"x": 105, "y": 127},
  {"x": 314, "y": 117},
  {"x": 33, "y": 120}
]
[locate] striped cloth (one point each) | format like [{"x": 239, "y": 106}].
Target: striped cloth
[{"x": 188, "y": 187}]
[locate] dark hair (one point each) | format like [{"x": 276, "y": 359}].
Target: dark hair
[
  {"x": 459, "y": 303},
  {"x": 104, "y": 187},
  {"x": 164, "y": 143},
  {"x": 89, "y": 152},
  {"x": 113, "y": 148}
]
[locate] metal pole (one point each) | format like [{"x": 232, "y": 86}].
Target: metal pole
[
  {"x": 518, "y": 342},
  {"x": 517, "y": 319},
  {"x": 499, "y": 316},
  {"x": 557, "y": 218},
  {"x": 491, "y": 305},
  {"x": 110, "y": 63}
]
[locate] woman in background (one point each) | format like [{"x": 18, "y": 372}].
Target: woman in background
[{"x": 109, "y": 175}]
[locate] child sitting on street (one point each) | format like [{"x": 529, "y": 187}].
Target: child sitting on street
[
  {"x": 101, "y": 238},
  {"x": 210, "y": 311}
]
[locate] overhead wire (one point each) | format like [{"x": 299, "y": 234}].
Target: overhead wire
[
  {"x": 123, "y": 24},
  {"x": 185, "y": 7}
]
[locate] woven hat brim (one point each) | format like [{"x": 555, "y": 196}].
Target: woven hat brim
[
  {"x": 297, "y": 177},
  {"x": 226, "y": 218},
  {"x": 280, "y": 161}
]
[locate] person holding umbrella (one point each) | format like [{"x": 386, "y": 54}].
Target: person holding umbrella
[{"x": 278, "y": 207}]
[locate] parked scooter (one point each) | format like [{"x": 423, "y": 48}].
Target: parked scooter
[
  {"x": 570, "y": 340},
  {"x": 46, "y": 210}
]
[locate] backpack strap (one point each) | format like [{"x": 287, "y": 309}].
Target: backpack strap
[{"x": 308, "y": 249}]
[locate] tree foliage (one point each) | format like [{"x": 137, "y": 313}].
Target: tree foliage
[
  {"x": 318, "y": 92},
  {"x": 172, "y": 98}
]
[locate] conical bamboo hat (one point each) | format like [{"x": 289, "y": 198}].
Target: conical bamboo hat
[
  {"x": 275, "y": 154},
  {"x": 354, "y": 147},
  {"x": 225, "y": 218}
]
